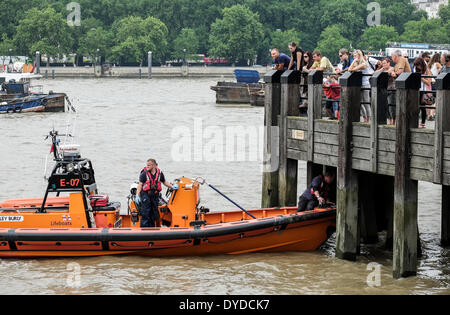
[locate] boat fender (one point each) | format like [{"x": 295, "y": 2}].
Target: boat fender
[{"x": 18, "y": 109}]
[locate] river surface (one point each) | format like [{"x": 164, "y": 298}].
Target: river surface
[{"x": 119, "y": 125}]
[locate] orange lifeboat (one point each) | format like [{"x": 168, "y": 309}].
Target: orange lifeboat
[{"x": 74, "y": 226}]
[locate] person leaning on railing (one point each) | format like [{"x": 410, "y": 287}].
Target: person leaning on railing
[
  {"x": 435, "y": 67},
  {"x": 321, "y": 63},
  {"x": 426, "y": 99},
  {"x": 303, "y": 106},
  {"x": 280, "y": 60},
  {"x": 445, "y": 60},
  {"x": 387, "y": 67},
  {"x": 297, "y": 62},
  {"x": 346, "y": 61},
  {"x": 401, "y": 64},
  {"x": 359, "y": 64}
]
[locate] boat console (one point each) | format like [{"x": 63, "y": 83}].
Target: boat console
[{"x": 82, "y": 208}]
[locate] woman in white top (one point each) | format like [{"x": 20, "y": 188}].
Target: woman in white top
[
  {"x": 435, "y": 65},
  {"x": 435, "y": 68},
  {"x": 359, "y": 64}
]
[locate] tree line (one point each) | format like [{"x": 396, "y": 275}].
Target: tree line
[{"x": 238, "y": 30}]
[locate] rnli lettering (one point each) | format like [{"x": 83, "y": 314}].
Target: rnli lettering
[
  {"x": 7, "y": 218},
  {"x": 60, "y": 223}
]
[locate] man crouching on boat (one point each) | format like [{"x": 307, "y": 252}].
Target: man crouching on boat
[
  {"x": 317, "y": 193},
  {"x": 148, "y": 192}
]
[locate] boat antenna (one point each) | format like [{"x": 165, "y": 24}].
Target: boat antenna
[{"x": 54, "y": 134}]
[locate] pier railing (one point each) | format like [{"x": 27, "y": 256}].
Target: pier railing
[{"x": 378, "y": 165}]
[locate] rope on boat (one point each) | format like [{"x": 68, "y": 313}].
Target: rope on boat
[{"x": 70, "y": 104}]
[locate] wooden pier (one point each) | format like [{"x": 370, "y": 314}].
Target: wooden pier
[{"x": 378, "y": 166}]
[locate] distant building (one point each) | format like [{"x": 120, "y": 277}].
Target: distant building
[
  {"x": 415, "y": 50},
  {"x": 430, "y": 6}
]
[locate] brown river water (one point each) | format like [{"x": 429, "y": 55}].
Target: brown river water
[{"x": 119, "y": 125}]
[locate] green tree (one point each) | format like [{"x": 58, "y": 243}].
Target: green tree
[
  {"x": 305, "y": 17},
  {"x": 375, "y": 38},
  {"x": 188, "y": 40},
  {"x": 349, "y": 15},
  {"x": 281, "y": 39},
  {"x": 444, "y": 13},
  {"x": 45, "y": 31},
  {"x": 236, "y": 36},
  {"x": 79, "y": 33},
  {"x": 134, "y": 37},
  {"x": 6, "y": 47},
  {"x": 95, "y": 38},
  {"x": 331, "y": 41},
  {"x": 425, "y": 31},
  {"x": 308, "y": 18},
  {"x": 397, "y": 13}
]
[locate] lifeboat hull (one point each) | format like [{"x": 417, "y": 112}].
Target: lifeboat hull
[{"x": 304, "y": 231}]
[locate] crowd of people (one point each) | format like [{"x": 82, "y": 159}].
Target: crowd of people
[{"x": 430, "y": 66}]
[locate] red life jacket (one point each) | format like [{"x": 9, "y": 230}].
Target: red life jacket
[{"x": 153, "y": 185}]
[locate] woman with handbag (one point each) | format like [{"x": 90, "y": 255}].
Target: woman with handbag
[{"x": 426, "y": 99}]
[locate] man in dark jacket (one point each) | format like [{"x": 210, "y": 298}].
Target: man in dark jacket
[{"x": 317, "y": 193}]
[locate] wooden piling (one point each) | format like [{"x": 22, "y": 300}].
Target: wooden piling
[
  {"x": 406, "y": 189},
  {"x": 288, "y": 171},
  {"x": 315, "y": 92},
  {"x": 442, "y": 125},
  {"x": 378, "y": 177},
  {"x": 379, "y": 105},
  {"x": 347, "y": 225},
  {"x": 272, "y": 105}
]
